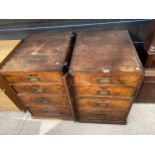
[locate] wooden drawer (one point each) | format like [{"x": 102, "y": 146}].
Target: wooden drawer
[
  {"x": 103, "y": 114},
  {"x": 102, "y": 79},
  {"x": 39, "y": 88},
  {"x": 50, "y": 111},
  {"x": 103, "y": 121},
  {"x": 105, "y": 103},
  {"x": 101, "y": 91},
  {"x": 44, "y": 99},
  {"x": 33, "y": 77}
]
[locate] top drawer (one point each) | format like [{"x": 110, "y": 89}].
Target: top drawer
[
  {"x": 101, "y": 79},
  {"x": 33, "y": 77}
]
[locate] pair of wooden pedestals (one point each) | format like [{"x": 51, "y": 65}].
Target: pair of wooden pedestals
[{"x": 87, "y": 77}]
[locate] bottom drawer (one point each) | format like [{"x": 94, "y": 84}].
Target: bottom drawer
[
  {"x": 102, "y": 114},
  {"x": 48, "y": 111},
  {"x": 102, "y": 121},
  {"x": 44, "y": 100}
]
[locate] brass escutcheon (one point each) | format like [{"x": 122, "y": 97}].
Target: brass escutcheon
[
  {"x": 32, "y": 78},
  {"x": 103, "y": 92},
  {"x": 103, "y": 80},
  {"x": 37, "y": 90},
  {"x": 102, "y": 104},
  {"x": 44, "y": 101}
]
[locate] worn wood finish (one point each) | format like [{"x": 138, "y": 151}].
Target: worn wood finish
[
  {"x": 32, "y": 77},
  {"x": 106, "y": 103},
  {"x": 103, "y": 114},
  {"x": 106, "y": 74},
  {"x": 44, "y": 99},
  {"x": 108, "y": 51},
  {"x": 39, "y": 88},
  {"x": 36, "y": 72},
  {"x": 43, "y": 52},
  {"x": 103, "y": 121},
  {"x": 69, "y": 92},
  {"x": 49, "y": 111},
  {"x": 114, "y": 78},
  {"x": 105, "y": 91}
]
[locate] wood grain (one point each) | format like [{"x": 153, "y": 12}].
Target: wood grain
[
  {"x": 104, "y": 91},
  {"x": 45, "y": 52},
  {"x": 105, "y": 51},
  {"x": 36, "y": 72},
  {"x": 106, "y": 103},
  {"x": 106, "y": 74}
]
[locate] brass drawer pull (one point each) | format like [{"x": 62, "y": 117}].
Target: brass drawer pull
[
  {"x": 44, "y": 101},
  {"x": 37, "y": 90},
  {"x": 50, "y": 111},
  {"x": 103, "y": 80},
  {"x": 32, "y": 78},
  {"x": 102, "y": 104},
  {"x": 103, "y": 92},
  {"x": 101, "y": 115}
]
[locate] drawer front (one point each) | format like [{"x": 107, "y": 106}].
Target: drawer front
[
  {"x": 102, "y": 114},
  {"x": 105, "y": 103},
  {"x": 44, "y": 99},
  {"x": 101, "y": 79},
  {"x": 103, "y": 91},
  {"x": 39, "y": 88},
  {"x": 50, "y": 111},
  {"x": 85, "y": 120},
  {"x": 33, "y": 77}
]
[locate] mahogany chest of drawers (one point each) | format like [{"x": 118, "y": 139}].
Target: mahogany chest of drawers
[
  {"x": 37, "y": 72},
  {"x": 105, "y": 74}
]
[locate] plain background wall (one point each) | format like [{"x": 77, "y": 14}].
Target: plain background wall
[{"x": 19, "y": 29}]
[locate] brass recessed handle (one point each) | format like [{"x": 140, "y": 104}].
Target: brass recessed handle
[
  {"x": 103, "y": 80},
  {"x": 103, "y": 92},
  {"x": 44, "y": 101},
  {"x": 32, "y": 78},
  {"x": 101, "y": 115},
  {"x": 102, "y": 104},
  {"x": 50, "y": 111},
  {"x": 37, "y": 90}
]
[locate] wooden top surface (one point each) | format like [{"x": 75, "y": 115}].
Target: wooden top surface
[
  {"x": 105, "y": 51},
  {"x": 42, "y": 52},
  {"x": 6, "y": 47}
]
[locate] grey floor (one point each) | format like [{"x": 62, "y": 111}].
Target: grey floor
[{"x": 141, "y": 120}]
